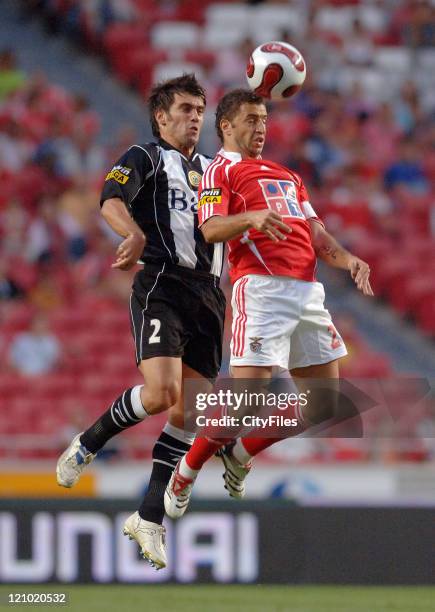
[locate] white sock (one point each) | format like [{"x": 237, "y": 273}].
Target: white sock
[
  {"x": 187, "y": 471},
  {"x": 240, "y": 453},
  {"x": 136, "y": 403},
  {"x": 179, "y": 434}
]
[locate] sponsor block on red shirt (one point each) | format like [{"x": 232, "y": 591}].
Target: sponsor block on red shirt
[{"x": 232, "y": 185}]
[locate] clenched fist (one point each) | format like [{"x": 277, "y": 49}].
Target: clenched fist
[{"x": 129, "y": 251}]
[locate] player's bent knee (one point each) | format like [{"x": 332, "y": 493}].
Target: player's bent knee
[{"x": 158, "y": 398}]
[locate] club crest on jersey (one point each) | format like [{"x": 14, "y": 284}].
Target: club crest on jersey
[
  {"x": 255, "y": 344},
  {"x": 120, "y": 174},
  {"x": 210, "y": 196},
  {"x": 194, "y": 178},
  {"x": 281, "y": 197}
]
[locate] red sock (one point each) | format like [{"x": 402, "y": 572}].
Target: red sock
[
  {"x": 255, "y": 445},
  {"x": 201, "y": 450}
]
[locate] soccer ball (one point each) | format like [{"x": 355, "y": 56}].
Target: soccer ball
[{"x": 276, "y": 70}]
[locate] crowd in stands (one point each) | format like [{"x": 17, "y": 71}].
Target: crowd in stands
[{"x": 364, "y": 144}]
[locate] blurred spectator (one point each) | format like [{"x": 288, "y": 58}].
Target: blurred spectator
[
  {"x": 357, "y": 103},
  {"x": 13, "y": 225},
  {"x": 77, "y": 207},
  {"x": 36, "y": 351},
  {"x": 46, "y": 295},
  {"x": 415, "y": 22},
  {"x": 15, "y": 148},
  {"x": 80, "y": 155},
  {"x": 231, "y": 64},
  {"x": 116, "y": 10},
  {"x": 85, "y": 119},
  {"x": 323, "y": 148},
  {"x": 358, "y": 49},
  {"x": 407, "y": 108},
  {"x": 9, "y": 289},
  {"x": 299, "y": 162},
  {"x": 381, "y": 134},
  {"x": 122, "y": 140},
  {"x": 47, "y": 154},
  {"x": 42, "y": 233},
  {"x": 407, "y": 169},
  {"x": 11, "y": 77}
]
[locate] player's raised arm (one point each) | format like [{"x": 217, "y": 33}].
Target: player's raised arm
[
  {"x": 130, "y": 250},
  {"x": 221, "y": 229},
  {"x": 329, "y": 250}
]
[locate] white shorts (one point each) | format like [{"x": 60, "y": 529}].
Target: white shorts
[{"x": 282, "y": 321}]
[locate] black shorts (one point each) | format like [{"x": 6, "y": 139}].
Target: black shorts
[{"x": 178, "y": 312}]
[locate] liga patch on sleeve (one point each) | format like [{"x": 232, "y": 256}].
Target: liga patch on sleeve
[
  {"x": 210, "y": 196},
  {"x": 120, "y": 174}
]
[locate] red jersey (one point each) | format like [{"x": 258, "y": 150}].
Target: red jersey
[{"x": 232, "y": 185}]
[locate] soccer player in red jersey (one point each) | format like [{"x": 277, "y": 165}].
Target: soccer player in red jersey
[{"x": 263, "y": 211}]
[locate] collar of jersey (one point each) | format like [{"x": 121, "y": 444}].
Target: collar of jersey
[
  {"x": 231, "y": 155},
  {"x": 169, "y": 147}
]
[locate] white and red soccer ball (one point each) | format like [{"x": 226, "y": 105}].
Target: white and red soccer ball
[{"x": 276, "y": 70}]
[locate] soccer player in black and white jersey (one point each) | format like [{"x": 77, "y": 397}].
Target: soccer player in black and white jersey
[{"x": 176, "y": 306}]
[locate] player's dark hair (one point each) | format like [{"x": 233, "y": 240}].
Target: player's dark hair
[
  {"x": 163, "y": 94},
  {"x": 230, "y": 104}
]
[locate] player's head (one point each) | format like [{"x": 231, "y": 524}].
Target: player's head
[
  {"x": 241, "y": 122},
  {"x": 176, "y": 110}
]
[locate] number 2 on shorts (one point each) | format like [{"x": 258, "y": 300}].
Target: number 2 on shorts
[{"x": 155, "y": 338}]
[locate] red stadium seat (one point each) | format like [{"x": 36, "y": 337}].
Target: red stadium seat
[
  {"x": 368, "y": 365},
  {"x": 18, "y": 317},
  {"x": 51, "y": 387},
  {"x": 206, "y": 59},
  {"x": 358, "y": 213},
  {"x": 372, "y": 248},
  {"x": 392, "y": 273},
  {"x": 141, "y": 62},
  {"x": 410, "y": 292},
  {"x": 121, "y": 37},
  {"x": 23, "y": 273},
  {"x": 425, "y": 315}
]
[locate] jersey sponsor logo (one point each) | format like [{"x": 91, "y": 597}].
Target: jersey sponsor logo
[
  {"x": 120, "y": 174},
  {"x": 179, "y": 200},
  {"x": 194, "y": 178},
  {"x": 281, "y": 197},
  {"x": 211, "y": 196}
]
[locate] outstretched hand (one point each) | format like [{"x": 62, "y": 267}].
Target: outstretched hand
[{"x": 360, "y": 272}]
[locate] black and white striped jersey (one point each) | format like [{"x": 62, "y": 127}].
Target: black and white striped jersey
[{"x": 159, "y": 185}]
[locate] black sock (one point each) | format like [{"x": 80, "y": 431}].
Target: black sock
[
  {"x": 125, "y": 412},
  {"x": 166, "y": 453}
]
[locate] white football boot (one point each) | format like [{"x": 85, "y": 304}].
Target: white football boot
[
  {"x": 72, "y": 462},
  {"x": 235, "y": 473},
  {"x": 177, "y": 494},
  {"x": 150, "y": 537}
]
